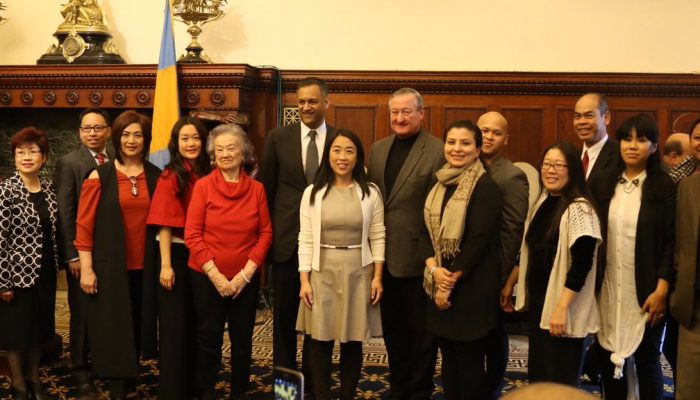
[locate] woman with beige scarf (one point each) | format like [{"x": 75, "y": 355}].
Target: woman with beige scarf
[{"x": 462, "y": 215}]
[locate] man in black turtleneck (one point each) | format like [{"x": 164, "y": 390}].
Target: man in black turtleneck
[{"x": 403, "y": 165}]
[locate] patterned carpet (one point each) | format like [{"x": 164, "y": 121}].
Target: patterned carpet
[{"x": 55, "y": 375}]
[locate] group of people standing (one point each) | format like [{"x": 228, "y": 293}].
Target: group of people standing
[{"x": 425, "y": 247}]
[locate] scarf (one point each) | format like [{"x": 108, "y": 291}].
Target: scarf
[{"x": 446, "y": 232}]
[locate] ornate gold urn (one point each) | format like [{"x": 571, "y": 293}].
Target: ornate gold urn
[
  {"x": 83, "y": 37},
  {"x": 196, "y": 13}
]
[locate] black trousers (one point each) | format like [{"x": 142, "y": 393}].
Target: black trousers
[
  {"x": 285, "y": 305},
  {"x": 553, "y": 359},
  {"x": 176, "y": 330},
  {"x": 320, "y": 355},
  {"x": 79, "y": 350},
  {"x": 411, "y": 348},
  {"x": 120, "y": 387},
  {"x": 496, "y": 357},
  {"x": 211, "y": 314},
  {"x": 463, "y": 374},
  {"x": 670, "y": 347},
  {"x": 648, "y": 364}
]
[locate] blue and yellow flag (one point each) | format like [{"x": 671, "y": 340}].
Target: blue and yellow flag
[{"x": 166, "y": 108}]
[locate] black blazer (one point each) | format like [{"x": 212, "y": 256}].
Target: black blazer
[
  {"x": 282, "y": 174},
  {"x": 655, "y": 236},
  {"x": 475, "y": 296},
  {"x": 71, "y": 170},
  {"x": 606, "y": 167},
  {"x": 21, "y": 233}
]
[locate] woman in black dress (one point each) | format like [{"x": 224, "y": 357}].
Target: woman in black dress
[
  {"x": 462, "y": 214},
  {"x": 28, "y": 262}
]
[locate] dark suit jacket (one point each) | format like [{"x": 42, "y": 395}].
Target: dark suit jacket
[
  {"x": 514, "y": 187},
  {"x": 403, "y": 207},
  {"x": 655, "y": 235},
  {"x": 475, "y": 296},
  {"x": 282, "y": 173},
  {"x": 686, "y": 259},
  {"x": 604, "y": 169},
  {"x": 71, "y": 170}
]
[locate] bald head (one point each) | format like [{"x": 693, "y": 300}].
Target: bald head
[
  {"x": 676, "y": 148},
  {"x": 494, "y": 131},
  {"x": 548, "y": 391}
]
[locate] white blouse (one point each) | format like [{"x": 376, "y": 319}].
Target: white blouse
[{"x": 622, "y": 322}]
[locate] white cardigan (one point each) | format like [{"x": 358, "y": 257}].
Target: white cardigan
[
  {"x": 578, "y": 220},
  {"x": 373, "y": 230}
]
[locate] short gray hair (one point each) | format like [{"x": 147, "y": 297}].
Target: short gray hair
[
  {"x": 237, "y": 132},
  {"x": 407, "y": 90}
]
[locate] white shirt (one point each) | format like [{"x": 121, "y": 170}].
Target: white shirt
[
  {"x": 622, "y": 323},
  {"x": 320, "y": 141},
  {"x": 593, "y": 153},
  {"x": 94, "y": 155}
]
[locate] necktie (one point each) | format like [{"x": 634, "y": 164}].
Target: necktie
[
  {"x": 584, "y": 161},
  {"x": 311, "y": 159},
  {"x": 100, "y": 158}
]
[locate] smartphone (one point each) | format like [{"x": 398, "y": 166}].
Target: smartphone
[{"x": 288, "y": 384}]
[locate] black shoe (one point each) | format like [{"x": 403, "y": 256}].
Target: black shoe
[
  {"x": 37, "y": 391},
  {"x": 19, "y": 394},
  {"x": 86, "y": 391}
]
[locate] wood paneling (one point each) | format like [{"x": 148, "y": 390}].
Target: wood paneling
[
  {"x": 360, "y": 119},
  {"x": 537, "y": 105},
  {"x": 525, "y": 134}
]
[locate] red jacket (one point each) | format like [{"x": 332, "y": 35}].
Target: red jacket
[{"x": 228, "y": 222}]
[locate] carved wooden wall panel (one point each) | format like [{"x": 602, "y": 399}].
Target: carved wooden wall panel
[
  {"x": 360, "y": 119},
  {"x": 538, "y": 105},
  {"x": 454, "y": 113},
  {"x": 682, "y": 120},
  {"x": 526, "y": 133},
  {"x": 620, "y": 115}
]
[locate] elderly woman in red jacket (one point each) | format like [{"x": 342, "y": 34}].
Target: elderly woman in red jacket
[{"x": 228, "y": 232}]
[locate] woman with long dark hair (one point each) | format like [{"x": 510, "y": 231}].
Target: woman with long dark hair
[
  {"x": 462, "y": 215},
  {"x": 638, "y": 213},
  {"x": 557, "y": 272},
  {"x": 341, "y": 256},
  {"x": 189, "y": 161},
  {"x": 28, "y": 262},
  {"x": 117, "y": 256}
]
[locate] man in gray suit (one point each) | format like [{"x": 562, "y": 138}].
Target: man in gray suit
[
  {"x": 403, "y": 166},
  {"x": 70, "y": 172},
  {"x": 290, "y": 161},
  {"x": 512, "y": 182}
]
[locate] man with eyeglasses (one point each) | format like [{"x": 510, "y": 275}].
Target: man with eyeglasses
[
  {"x": 513, "y": 184},
  {"x": 403, "y": 166},
  {"x": 70, "y": 172}
]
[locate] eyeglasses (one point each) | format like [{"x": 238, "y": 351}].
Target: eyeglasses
[
  {"x": 134, "y": 189},
  {"x": 24, "y": 153},
  {"x": 557, "y": 167},
  {"x": 96, "y": 128}
]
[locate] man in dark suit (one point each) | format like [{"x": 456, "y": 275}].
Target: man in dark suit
[
  {"x": 70, "y": 171},
  {"x": 403, "y": 166},
  {"x": 512, "y": 182},
  {"x": 600, "y": 155},
  {"x": 290, "y": 161}
]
